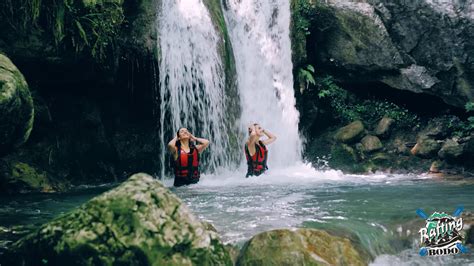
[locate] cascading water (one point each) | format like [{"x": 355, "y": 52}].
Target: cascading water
[
  {"x": 192, "y": 78},
  {"x": 259, "y": 31}
]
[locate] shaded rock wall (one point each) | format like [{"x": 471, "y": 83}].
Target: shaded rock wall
[{"x": 418, "y": 46}]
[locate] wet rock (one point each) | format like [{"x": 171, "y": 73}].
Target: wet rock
[
  {"x": 384, "y": 127},
  {"x": 437, "y": 166},
  {"x": 437, "y": 128},
  {"x": 299, "y": 247},
  {"x": 138, "y": 223},
  {"x": 20, "y": 177},
  {"x": 234, "y": 252},
  {"x": 450, "y": 150},
  {"x": 426, "y": 147},
  {"x": 16, "y": 107},
  {"x": 468, "y": 221},
  {"x": 371, "y": 143},
  {"x": 350, "y": 133},
  {"x": 381, "y": 159}
]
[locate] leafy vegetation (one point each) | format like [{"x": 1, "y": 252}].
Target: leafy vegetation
[
  {"x": 347, "y": 107},
  {"x": 462, "y": 128},
  {"x": 306, "y": 77},
  {"x": 87, "y": 26}
]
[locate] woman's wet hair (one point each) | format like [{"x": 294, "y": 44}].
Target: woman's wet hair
[
  {"x": 178, "y": 142},
  {"x": 250, "y": 129}
]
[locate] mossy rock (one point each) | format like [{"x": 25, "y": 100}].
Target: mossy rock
[
  {"x": 371, "y": 143},
  {"x": 384, "y": 127},
  {"x": 382, "y": 159},
  {"x": 344, "y": 157},
  {"x": 299, "y": 247},
  {"x": 426, "y": 147},
  {"x": 16, "y": 107},
  {"x": 350, "y": 133},
  {"x": 138, "y": 223},
  {"x": 21, "y": 177},
  {"x": 451, "y": 150}
]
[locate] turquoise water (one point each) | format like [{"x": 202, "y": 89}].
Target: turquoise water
[{"x": 378, "y": 210}]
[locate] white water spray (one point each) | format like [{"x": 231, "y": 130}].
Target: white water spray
[
  {"x": 192, "y": 78},
  {"x": 260, "y": 36}
]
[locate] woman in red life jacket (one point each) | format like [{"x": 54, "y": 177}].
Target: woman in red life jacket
[
  {"x": 186, "y": 157},
  {"x": 256, "y": 151}
]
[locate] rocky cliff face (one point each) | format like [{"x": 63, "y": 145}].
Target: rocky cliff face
[{"x": 419, "y": 46}]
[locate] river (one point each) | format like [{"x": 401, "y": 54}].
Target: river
[{"x": 378, "y": 210}]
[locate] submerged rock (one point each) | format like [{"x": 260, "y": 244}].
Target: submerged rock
[
  {"x": 138, "y": 223},
  {"x": 350, "y": 133},
  {"x": 16, "y": 107},
  {"x": 299, "y": 247}
]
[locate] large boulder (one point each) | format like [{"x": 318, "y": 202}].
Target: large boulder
[
  {"x": 16, "y": 107},
  {"x": 138, "y": 223},
  {"x": 299, "y": 247},
  {"x": 350, "y": 133},
  {"x": 418, "y": 46}
]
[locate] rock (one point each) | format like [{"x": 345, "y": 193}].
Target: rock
[
  {"x": 382, "y": 159},
  {"x": 468, "y": 221},
  {"x": 299, "y": 247},
  {"x": 420, "y": 46},
  {"x": 16, "y": 107},
  {"x": 450, "y": 150},
  {"x": 371, "y": 143},
  {"x": 426, "y": 147},
  {"x": 138, "y": 223},
  {"x": 21, "y": 177},
  {"x": 437, "y": 128},
  {"x": 437, "y": 167},
  {"x": 234, "y": 252},
  {"x": 350, "y": 133},
  {"x": 344, "y": 157},
  {"x": 384, "y": 127},
  {"x": 210, "y": 227}
]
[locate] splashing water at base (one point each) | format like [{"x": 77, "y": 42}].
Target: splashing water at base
[{"x": 379, "y": 209}]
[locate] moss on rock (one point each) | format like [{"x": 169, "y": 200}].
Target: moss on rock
[
  {"x": 138, "y": 223},
  {"x": 299, "y": 247},
  {"x": 16, "y": 107},
  {"x": 351, "y": 132}
]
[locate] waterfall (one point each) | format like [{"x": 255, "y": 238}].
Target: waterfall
[
  {"x": 191, "y": 79},
  {"x": 259, "y": 32}
]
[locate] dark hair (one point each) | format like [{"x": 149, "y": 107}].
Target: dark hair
[{"x": 178, "y": 142}]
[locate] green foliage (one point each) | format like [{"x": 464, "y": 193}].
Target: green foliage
[
  {"x": 463, "y": 128},
  {"x": 86, "y": 26},
  {"x": 348, "y": 108},
  {"x": 306, "y": 77}
]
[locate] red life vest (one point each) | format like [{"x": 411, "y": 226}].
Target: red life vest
[
  {"x": 256, "y": 164},
  {"x": 187, "y": 165}
]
